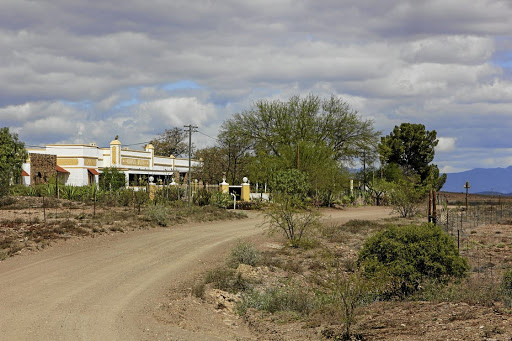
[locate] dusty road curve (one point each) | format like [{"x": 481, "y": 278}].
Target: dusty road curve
[{"x": 104, "y": 288}]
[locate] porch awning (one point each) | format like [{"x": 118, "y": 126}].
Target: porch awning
[
  {"x": 23, "y": 173},
  {"x": 93, "y": 171},
  {"x": 61, "y": 170}
]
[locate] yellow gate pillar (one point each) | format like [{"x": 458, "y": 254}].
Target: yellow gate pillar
[
  {"x": 224, "y": 186},
  {"x": 246, "y": 190}
]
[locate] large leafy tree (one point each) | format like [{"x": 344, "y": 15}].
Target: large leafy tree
[
  {"x": 171, "y": 142},
  {"x": 272, "y": 125},
  {"x": 311, "y": 134},
  {"x": 412, "y": 147},
  {"x": 12, "y": 156},
  {"x": 214, "y": 164},
  {"x": 237, "y": 148}
]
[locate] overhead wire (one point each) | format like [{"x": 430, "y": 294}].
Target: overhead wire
[{"x": 214, "y": 138}]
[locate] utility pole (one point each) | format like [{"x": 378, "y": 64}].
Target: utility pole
[
  {"x": 364, "y": 171},
  {"x": 190, "y": 129},
  {"x": 467, "y": 187}
]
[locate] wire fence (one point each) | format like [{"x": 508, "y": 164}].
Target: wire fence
[{"x": 480, "y": 233}]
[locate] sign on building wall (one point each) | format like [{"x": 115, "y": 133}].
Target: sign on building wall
[{"x": 126, "y": 161}]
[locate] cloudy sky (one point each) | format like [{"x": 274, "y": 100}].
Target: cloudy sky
[{"x": 76, "y": 71}]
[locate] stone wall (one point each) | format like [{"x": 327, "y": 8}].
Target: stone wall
[{"x": 43, "y": 167}]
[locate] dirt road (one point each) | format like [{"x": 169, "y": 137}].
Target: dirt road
[{"x": 106, "y": 288}]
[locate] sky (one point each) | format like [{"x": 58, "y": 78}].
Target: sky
[{"x": 76, "y": 71}]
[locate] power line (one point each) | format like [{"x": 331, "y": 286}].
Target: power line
[{"x": 213, "y": 138}]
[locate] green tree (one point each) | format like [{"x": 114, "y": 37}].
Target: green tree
[
  {"x": 379, "y": 188},
  {"x": 236, "y": 148},
  {"x": 311, "y": 134},
  {"x": 411, "y": 147},
  {"x": 406, "y": 195},
  {"x": 270, "y": 125},
  {"x": 12, "y": 156},
  {"x": 111, "y": 179},
  {"x": 290, "y": 182},
  {"x": 171, "y": 142},
  {"x": 214, "y": 164}
]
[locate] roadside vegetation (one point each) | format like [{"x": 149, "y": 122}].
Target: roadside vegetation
[
  {"x": 328, "y": 289},
  {"x": 31, "y": 220}
]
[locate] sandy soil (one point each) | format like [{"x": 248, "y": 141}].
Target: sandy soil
[{"x": 112, "y": 287}]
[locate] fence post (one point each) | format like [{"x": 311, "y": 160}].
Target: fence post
[
  {"x": 44, "y": 211},
  {"x": 458, "y": 240}
]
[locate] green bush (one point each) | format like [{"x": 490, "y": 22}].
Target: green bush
[
  {"x": 292, "y": 221},
  {"x": 68, "y": 192},
  {"x": 408, "y": 255},
  {"x": 244, "y": 253},
  {"x": 157, "y": 214},
  {"x": 221, "y": 200},
  {"x": 125, "y": 196},
  {"x": 170, "y": 193},
  {"x": 249, "y": 205},
  {"x": 292, "y": 298},
  {"x": 201, "y": 197},
  {"x": 111, "y": 179}
]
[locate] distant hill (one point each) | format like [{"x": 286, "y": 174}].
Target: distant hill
[{"x": 481, "y": 180}]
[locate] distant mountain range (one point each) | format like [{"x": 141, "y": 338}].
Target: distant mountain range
[{"x": 481, "y": 180}]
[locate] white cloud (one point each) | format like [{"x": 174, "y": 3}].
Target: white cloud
[
  {"x": 446, "y": 144},
  {"x": 98, "y": 69},
  {"x": 449, "y": 50}
]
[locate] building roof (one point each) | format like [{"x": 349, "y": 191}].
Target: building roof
[{"x": 61, "y": 170}]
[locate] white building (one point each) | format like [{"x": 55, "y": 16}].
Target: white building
[{"x": 80, "y": 165}]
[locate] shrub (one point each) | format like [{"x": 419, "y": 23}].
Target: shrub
[
  {"x": 506, "y": 287},
  {"x": 68, "y": 192},
  {"x": 171, "y": 193},
  {"x": 227, "y": 280},
  {"x": 111, "y": 179},
  {"x": 125, "y": 196},
  {"x": 157, "y": 214},
  {"x": 405, "y": 197},
  {"x": 472, "y": 290},
  {"x": 6, "y": 201},
  {"x": 201, "y": 197},
  {"x": 221, "y": 200},
  {"x": 249, "y": 205},
  {"x": 288, "y": 298},
  {"x": 293, "y": 222},
  {"x": 141, "y": 197},
  {"x": 350, "y": 293},
  {"x": 408, "y": 255},
  {"x": 244, "y": 253}
]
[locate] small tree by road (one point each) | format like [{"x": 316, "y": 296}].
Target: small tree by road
[{"x": 12, "y": 156}]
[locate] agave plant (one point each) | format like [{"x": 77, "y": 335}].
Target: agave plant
[{"x": 69, "y": 192}]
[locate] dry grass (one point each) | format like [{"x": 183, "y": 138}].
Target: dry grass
[{"x": 27, "y": 223}]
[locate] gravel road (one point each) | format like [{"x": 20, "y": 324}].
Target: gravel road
[{"x": 105, "y": 288}]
